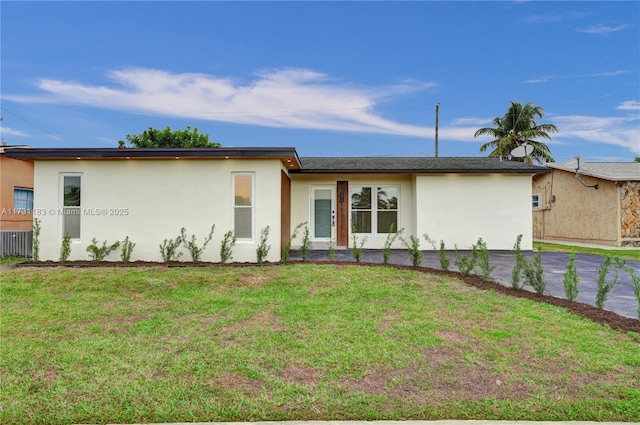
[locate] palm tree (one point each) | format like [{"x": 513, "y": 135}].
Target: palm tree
[{"x": 517, "y": 127}]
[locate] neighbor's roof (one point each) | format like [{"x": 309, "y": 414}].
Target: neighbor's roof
[
  {"x": 613, "y": 171},
  {"x": 415, "y": 165},
  {"x": 289, "y": 157}
]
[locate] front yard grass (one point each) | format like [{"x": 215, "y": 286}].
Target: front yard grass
[
  {"x": 298, "y": 342},
  {"x": 625, "y": 254}
]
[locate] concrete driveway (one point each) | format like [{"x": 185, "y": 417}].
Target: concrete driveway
[{"x": 621, "y": 299}]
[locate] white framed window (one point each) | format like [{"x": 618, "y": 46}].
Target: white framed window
[
  {"x": 243, "y": 204},
  {"x": 71, "y": 205},
  {"x": 535, "y": 201},
  {"x": 374, "y": 208},
  {"x": 23, "y": 199}
]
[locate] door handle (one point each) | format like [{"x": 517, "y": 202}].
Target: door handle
[{"x": 333, "y": 218}]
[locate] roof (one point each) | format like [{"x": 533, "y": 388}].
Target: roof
[
  {"x": 415, "y": 165},
  {"x": 289, "y": 156},
  {"x": 613, "y": 171}
]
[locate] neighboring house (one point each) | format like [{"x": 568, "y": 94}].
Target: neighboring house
[
  {"x": 568, "y": 207},
  {"x": 150, "y": 194},
  {"x": 16, "y": 203}
]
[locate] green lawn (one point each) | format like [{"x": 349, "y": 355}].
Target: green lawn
[
  {"x": 293, "y": 342},
  {"x": 625, "y": 254}
]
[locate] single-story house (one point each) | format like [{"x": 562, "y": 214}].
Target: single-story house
[
  {"x": 150, "y": 194},
  {"x": 16, "y": 203},
  {"x": 593, "y": 202}
]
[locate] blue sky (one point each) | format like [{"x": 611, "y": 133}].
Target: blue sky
[{"x": 328, "y": 78}]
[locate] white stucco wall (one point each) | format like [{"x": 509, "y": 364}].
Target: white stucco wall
[
  {"x": 301, "y": 185},
  {"x": 160, "y": 197},
  {"x": 459, "y": 209}
]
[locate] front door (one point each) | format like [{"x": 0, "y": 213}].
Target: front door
[{"x": 322, "y": 213}]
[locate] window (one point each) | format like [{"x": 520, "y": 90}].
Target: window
[
  {"x": 387, "y": 208},
  {"x": 71, "y": 202},
  {"x": 243, "y": 200},
  {"x": 23, "y": 199},
  {"x": 535, "y": 202},
  {"x": 380, "y": 214}
]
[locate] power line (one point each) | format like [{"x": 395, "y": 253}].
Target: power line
[{"x": 57, "y": 136}]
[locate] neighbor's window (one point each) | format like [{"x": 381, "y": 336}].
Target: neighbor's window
[
  {"x": 535, "y": 202},
  {"x": 387, "y": 214},
  {"x": 243, "y": 205},
  {"x": 361, "y": 209},
  {"x": 23, "y": 199},
  {"x": 71, "y": 203}
]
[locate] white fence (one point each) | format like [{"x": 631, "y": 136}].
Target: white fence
[{"x": 16, "y": 243}]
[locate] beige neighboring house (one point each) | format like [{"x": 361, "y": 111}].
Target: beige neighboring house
[
  {"x": 567, "y": 206},
  {"x": 149, "y": 194}
]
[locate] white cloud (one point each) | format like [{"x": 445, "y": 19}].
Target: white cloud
[
  {"x": 289, "y": 98},
  {"x": 629, "y": 105},
  {"x": 602, "y": 29},
  {"x": 7, "y": 131},
  {"x": 619, "y": 131},
  {"x": 592, "y": 75}
]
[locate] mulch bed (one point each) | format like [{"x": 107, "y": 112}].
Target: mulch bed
[{"x": 606, "y": 317}]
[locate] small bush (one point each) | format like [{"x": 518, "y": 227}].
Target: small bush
[
  {"x": 192, "y": 246},
  {"x": 332, "y": 249},
  {"x": 519, "y": 266},
  {"x": 635, "y": 284},
  {"x": 534, "y": 274},
  {"x": 391, "y": 238},
  {"x": 482, "y": 260},
  {"x": 287, "y": 248},
  {"x": 465, "y": 263},
  {"x": 35, "y": 247},
  {"x": 413, "y": 246},
  {"x": 169, "y": 249},
  {"x": 226, "y": 246},
  {"x": 263, "y": 249},
  {"x": 65, "y": 250},
  {"x": 357, "y": 250},
  {"x": 570, "y": 279},
  {"x": 605, "y": 287},
  {"x": 442, "y": 255},
  {"x": 99, "y": 253},
  {"x": 127, "y": 249},
  {"x": 306, "y": 244}
]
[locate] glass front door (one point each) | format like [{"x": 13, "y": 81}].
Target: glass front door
[{"x": 322, "y": 212}]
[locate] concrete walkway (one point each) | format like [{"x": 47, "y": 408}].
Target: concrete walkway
[{"x": 621, "y": 299}]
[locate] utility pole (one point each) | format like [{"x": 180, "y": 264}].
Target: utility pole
[{"x": 437, "y": 112}]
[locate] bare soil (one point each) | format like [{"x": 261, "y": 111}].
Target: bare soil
[{"x": 606, "y": 317}]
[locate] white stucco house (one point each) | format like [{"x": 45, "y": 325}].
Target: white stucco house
[{"x": 150, "y": 194}]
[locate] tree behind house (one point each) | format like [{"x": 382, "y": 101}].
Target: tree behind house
[{"x": 167, "y": 138}]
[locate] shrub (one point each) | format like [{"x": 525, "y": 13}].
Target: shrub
[
  {"x": 391, "y": 238},
  {"x": 534, "y": 274},
  {"x": 127, "y": 249},
  {"x": 35, "y": 247},
  {"x": 570, "y": 279},
  {"x": 444, "y": 260},
  {"x": 482, "y": 259},
  {"x": 65, "y": 250},
  {"x": 263, "y": 249},
  {"x": 226, "y": 246},
  {"x": 332, "y": 249},
  {"x": 465, "y": 263},
  {"x": 635, "y": 284},
  {"x": 605, "y": 287},
  {"x": 519, "y": 266},
  {"x": 306, "y": 244},
  {"x": 357, "y": 250},
  {"x": 287, "y": 248},
  {"x": 99, "y": 253},
  {"x": 169, "y": 249},
  {"x": 192, "y": 246},
  {"x": 413, "y": 246}
]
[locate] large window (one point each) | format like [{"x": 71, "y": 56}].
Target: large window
[
  {"x": 243, "y": 200},
  {"x": 374, "y": 210},
  {"x": 23, "y": 200},
  {"x": 71, "y": 205}
]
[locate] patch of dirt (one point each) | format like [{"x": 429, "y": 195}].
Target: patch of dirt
[
  {"x": 235, "y": 381},
  {"x": 606, "y": 317},
  {"x": 301, "y": 375}
]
